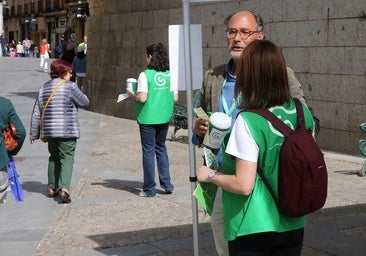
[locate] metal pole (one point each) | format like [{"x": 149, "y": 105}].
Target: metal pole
[
  {"x": 1, "y": 25},
  {"x": 192, "y": 155},
  {"x": 189, "y": 86}
]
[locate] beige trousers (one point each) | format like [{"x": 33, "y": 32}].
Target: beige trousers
[{"x": 217, "y": 225}]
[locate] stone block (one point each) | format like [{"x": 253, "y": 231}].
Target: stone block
[
  {"x": 334, "y": 140},
  {"x": 339, "y": 116},
  {"x": 349, "y": 89},
  {"x": 347, "y": 32}
]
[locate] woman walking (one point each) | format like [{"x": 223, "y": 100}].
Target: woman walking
[
  {"x": 44, "y": 54},
  {"x": 55, "y": 120}
]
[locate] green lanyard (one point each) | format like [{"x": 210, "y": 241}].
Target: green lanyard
[
  {"x": 225, "y": 106},
  {"x": 224, "y": 103}
]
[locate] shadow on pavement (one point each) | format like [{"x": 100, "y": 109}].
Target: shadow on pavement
[
  {"x": 125, "y": 185},
  {"x": 338, "y": 230},
  {"x": 32, "y": 95},
  {"x": 162, "y": 241}
]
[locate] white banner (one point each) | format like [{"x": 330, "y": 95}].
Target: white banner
[{"x": 177, "y": 57}]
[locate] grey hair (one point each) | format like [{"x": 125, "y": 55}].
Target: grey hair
[{"x": 258, "y": 19}]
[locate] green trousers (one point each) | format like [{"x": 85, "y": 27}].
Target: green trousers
[{"x": 60, "y": 162}]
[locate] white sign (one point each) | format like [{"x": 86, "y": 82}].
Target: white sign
[{"x": 177, "y": 57}]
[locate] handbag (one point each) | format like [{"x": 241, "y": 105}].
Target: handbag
[
  {"x": 46, "y": 55},
  {"x": 45, "y": 106},
  {"x": 47, "y": 52},
  {"x": 10, "y": 138}
]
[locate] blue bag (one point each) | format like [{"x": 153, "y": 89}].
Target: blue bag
[{"x": 13, "y": 179}]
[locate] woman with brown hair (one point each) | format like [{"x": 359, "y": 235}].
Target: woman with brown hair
[
  {"x": 253, "y": 224},
  {"x": 55, "y": 119}
]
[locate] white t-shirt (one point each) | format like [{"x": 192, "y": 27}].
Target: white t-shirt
[
  {"x": 241, "y": 142},
  {"x": 142, "y": 83}
]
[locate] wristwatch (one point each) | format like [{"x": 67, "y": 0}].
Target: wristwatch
[{"x": 211, "y": 175}]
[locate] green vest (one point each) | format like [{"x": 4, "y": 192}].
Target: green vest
[
  {"x": 258, "y": 212},
  {"x": 158, "y": 107}
]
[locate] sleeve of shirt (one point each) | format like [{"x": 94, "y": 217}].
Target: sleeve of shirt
[
  {"x": 142, "y": 83},
  {"x": 195, "y": 138},
  {"x": 295, "y": 86},
  {"x": 241, "y": 142}
]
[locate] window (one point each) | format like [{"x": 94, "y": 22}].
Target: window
[
  {"x": 48, "y": 6},
  {"x": 33, "y": 7},
  {"x": 40, "y": 6},
  {"x": 56, "y": 5},
  {"x": 26, "y": 9}
]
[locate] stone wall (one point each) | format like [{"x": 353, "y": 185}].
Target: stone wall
[{"x": 323, "y": 41}]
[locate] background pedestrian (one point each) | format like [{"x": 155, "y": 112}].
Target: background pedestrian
[
  {"x": 44, "y": 54},
  {"x": 79, "y": 66}
]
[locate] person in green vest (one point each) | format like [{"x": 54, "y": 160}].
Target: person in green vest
[
  {"x": 242, "y": 28},
  {"x": 253, "y": 224},
  {"x": 154, "y": 103}
]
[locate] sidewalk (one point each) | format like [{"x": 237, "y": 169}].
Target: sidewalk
[{"x": 107, "y": 217}]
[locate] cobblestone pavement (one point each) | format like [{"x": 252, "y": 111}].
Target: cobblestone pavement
[{"x": 133, "y": 221}]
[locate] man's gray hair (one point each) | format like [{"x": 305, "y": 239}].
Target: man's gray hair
[{"x": 258, "y": 19}]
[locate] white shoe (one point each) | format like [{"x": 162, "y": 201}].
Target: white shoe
[{"x": 143, "y": 194}]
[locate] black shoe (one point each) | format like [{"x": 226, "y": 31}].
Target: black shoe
[{"x": 168, "y": 191}]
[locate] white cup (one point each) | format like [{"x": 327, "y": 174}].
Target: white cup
[
  {"x": 131, "y": 84},
  {"x": 219, "y": 126}
]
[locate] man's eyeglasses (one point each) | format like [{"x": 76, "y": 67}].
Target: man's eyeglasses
[{"x": 244, "y": 34}]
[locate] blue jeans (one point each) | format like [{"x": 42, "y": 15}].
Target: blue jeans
[
  {"x": 153, "y": 137},
  {"x": 4, "y": 50}
]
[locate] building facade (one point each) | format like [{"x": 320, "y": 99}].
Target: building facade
[
  {"x": 38, "y": 19},
  {"x": 324, "y": 42}
]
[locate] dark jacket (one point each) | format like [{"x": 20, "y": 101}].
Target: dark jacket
[
  {"x": 79, "y": 64},
  {"x": 8, "y": 114},
  {"x": 61, "y": 116},
  {"x": 69, "y": 55}
]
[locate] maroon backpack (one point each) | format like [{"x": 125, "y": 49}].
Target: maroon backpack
[{"x": 302, "y": 177}]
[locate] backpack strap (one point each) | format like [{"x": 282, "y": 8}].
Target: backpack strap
[{"x": 300, "y": 114}]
